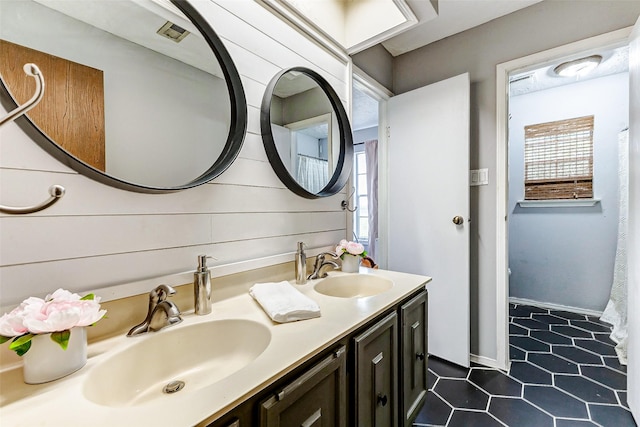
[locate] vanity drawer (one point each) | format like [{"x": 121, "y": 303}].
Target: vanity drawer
[{"x": 317, "y": 398}]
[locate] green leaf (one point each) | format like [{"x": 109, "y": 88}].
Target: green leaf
[
  {"x": 61, "y": 338},
  {"x": 21, "y": 344},
  {"x": 88, "y": 297},
  {"x": 4, "y": 339}
]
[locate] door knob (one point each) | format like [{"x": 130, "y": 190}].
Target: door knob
[
  {"x": 420, "y": 356},
  {"x": 458, "y": 220}
]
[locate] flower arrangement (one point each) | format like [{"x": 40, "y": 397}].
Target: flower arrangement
[
  {"x": 352, "y": 248},
  {"x": 55, "y": 315}
]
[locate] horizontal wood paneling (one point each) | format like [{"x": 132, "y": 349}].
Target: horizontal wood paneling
[
  {"x": 257, "y": 17},
  {"x": 98, "y": 236},
  {"x": 85, "y": 197},
  {"x": 18, "y": 282},
  {"x": 104, "y": 235}
]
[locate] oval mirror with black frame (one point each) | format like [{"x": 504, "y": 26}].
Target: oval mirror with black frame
[
  {"x": 141, "y": 95},
  {"x": 306, "y": 133}
]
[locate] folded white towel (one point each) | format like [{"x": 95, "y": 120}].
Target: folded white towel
[{"x": 283, "y": 303}]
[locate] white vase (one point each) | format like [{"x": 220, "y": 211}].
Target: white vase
[
  {"x": 47, "y": 361},
  {"x": 350, "y": 263}
]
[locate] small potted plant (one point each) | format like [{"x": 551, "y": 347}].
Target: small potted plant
[
  {"x": 351, "y": 253},
  {"x": 62, "y": 316}
]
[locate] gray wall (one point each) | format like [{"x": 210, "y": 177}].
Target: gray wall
[
  {"x": 539, "y": 27},
  {"x": 566, "y": 255},
  {"x": 377, "y": 63}
]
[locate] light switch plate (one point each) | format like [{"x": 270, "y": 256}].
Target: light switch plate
[{"x": 479, "y": 177}]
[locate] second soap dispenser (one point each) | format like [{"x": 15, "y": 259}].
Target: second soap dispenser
[
  {"x": 301, "y": 264},
  {"x": 202, "y": 287}
]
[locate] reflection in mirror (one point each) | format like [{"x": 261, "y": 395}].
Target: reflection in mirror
[
  {"x": 133, "y": 90},
  {"x": 305, "y": 132}
]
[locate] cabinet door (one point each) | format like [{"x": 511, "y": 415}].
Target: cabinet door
[
  {"x": 376, "y": 367},
  {"x": 413, "y": 351},
  {"x": 316, "y": 399}
]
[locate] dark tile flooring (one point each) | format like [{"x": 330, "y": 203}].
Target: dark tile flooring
[{"x": 564, "y": 373}]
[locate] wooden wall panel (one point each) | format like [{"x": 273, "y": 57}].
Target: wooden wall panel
[
  {"x": 98, "y": 236},
  {"x": 71, "y": 111}
]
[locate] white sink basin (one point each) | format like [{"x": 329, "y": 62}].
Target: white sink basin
[
  {"x": 199, "y": 355},
  {"x": 353, "y": 286}
]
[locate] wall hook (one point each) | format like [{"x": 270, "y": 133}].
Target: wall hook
[
  {"x": 345, "y": 203},
  {"x": 56, "y": 192},
  {"x": 33, "y": 71}
]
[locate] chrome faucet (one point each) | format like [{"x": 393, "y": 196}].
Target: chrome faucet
[
  {"x": 321, "y": 262},
  {"x": 161, "y": 314}
]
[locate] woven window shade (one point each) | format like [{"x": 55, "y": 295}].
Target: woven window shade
[{"x": 558, "y": 158}]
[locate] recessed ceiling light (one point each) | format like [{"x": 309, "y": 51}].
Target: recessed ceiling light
[{"x": 578, "y": 67}]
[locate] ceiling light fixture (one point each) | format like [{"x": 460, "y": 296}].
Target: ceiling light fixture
[{"x": 578, "y": 67}]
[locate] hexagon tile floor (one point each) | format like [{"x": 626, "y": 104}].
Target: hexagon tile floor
[{"x": 564, "y": 373}]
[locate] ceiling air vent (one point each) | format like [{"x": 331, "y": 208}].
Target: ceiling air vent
[
  {"x": 520, "y": 78},
  {"x": 173, "y": 32}
]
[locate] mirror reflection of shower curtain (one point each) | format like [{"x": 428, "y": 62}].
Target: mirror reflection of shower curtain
[
  {"x": 616, "y": 310},
  {"x": 313, "y": 173},
  {"x": 371, "y": 156}
]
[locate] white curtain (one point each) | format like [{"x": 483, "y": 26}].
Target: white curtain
[
  {"x": 371, "y": 156},
  {"x": 313, "y": 174},
  {"x": 616, "y": 310}
]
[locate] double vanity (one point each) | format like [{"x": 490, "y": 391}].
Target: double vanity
[{"x": 363, "y": 362}]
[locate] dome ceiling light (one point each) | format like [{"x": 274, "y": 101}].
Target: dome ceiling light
[{"x": 578, "y": 67}]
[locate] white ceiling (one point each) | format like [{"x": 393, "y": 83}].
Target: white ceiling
[
  {"x": 454, "y": 16},
  {"x": 613, "y": 61},
  {"x": 365, "y": 111}
]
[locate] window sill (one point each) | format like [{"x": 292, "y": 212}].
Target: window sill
[{"x": 569, "y": 203}]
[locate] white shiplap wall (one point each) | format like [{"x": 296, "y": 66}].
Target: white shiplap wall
[{"x": 98, "y": 236}]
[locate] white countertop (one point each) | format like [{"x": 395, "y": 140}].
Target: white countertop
[{"x": 62, "y": 402}]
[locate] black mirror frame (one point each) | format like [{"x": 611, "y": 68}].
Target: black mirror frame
[
  {"x": 233, "y": 145},
  {"x": 345, "y": 160}
]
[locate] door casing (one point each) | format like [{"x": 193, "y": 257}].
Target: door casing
[{"x": 584, "y": 47}]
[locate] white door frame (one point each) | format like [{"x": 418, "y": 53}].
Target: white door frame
[
  {"x": 548, "y": 57},
  {"x": 371, "y": 87}
]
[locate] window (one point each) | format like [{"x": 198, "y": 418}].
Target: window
[
  {"x": 558, "y": 159},
  {"x": 361, "y": 215}
]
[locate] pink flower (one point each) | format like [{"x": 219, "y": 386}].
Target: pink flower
[
  {"x": 11, "y": 326},
  {"x": 354, "y": 248},
  {"x": 59, "y": 311}
]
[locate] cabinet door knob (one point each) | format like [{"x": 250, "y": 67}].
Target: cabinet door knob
[
  {"x": 420, "y": 356},
  {"x": 382, "y": 399}
]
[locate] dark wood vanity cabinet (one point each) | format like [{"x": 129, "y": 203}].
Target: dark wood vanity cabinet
[
  {"x": 376, "y": 374},
  {"x": 374, "y": 377},
  {"x": 413, "y": 351},
  {"x": 318, "y": 398}
]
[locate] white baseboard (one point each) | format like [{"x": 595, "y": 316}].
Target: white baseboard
[{"x": 552, "y": 306}]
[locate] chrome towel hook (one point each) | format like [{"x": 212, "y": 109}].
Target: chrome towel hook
[
  {"x": 345, "y": 203},
  {"x": 55, "y": 191},
  {"x": 33, "y": 71}
]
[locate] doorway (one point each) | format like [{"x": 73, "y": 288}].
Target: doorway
[
  {"x": 368, "y": 219},
  {"x": 509, "y": 206},
  {"x": 564, "y": 181}
]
